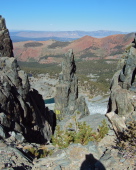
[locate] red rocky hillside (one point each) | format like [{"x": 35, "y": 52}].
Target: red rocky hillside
[{"x": 85, "y": 48}]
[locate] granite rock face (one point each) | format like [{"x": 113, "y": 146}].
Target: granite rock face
[
  {"x": 122, "y": 102},
  {"x": 5, "y": 41},
  {"x": 21, "y": 110},
  {"x": 66, "y": 99}
]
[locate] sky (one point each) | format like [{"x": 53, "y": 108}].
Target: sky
[{"x": 69, "y": 15}]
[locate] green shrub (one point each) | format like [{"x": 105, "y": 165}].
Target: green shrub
[
  {"x": 33, "y": 44},
  {"x": 80, "y": 132},
  {"x": 58, "y": 44},
  {"x": 128, "y": 47},
  {"x": 102, "y": 130},
  {"x": 39, "y": 152},
  {"x": 84, "y": 134}
]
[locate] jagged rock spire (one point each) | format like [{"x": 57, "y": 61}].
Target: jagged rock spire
[
  {"x": 68, "y": 66},
  {"x": 66, "y": 99},
  {"x": 2, "y": 23},
  {"x": 22, "y": 110},
  {"x": 67, "y": 89},
  {"x": 6, "y": 48}
]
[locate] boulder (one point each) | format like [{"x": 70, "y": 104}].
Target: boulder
[{"x": 17, "y": 136}]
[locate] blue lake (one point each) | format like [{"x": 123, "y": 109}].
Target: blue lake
[{"x": 49, "y": 101}]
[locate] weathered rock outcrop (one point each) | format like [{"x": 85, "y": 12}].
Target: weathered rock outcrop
[
  {"x": 21, "y": 110},
  {"x": 5, "y": 41},
  {"x": 66, "y": 99},
  {"x": 122, "y": 102}
]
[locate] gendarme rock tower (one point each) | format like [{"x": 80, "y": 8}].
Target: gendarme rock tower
[{"x": 67, "y": 101}]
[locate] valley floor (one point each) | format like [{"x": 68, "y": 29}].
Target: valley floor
[{"x": 46, "y": 87}]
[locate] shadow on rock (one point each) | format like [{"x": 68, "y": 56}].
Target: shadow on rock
[
  {"x": 91, "y": 163},
  {"x": 21, "y": 168}
]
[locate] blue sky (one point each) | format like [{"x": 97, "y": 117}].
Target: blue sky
[{"x": 69, "y": 15}]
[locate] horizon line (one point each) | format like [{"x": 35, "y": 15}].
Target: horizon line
[{"x": 68, "y": 30}]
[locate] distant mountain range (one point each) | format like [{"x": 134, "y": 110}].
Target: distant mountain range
[
  {"x": 85, "y": 48},
  {"x": 17, "y": 36}
]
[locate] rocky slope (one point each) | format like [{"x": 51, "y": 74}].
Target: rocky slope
[
  {"x": 22, "y": 111},
  {"x": 23, "y": 116},
  {"x": 85, "y": 48},
  {"x": 45, "y": 85},
  {"x": 106, "y": 154}
]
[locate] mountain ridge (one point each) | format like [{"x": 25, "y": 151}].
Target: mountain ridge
[
  {"x": 85, "y": 48},
  {"x": 36, "y": 35}
]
